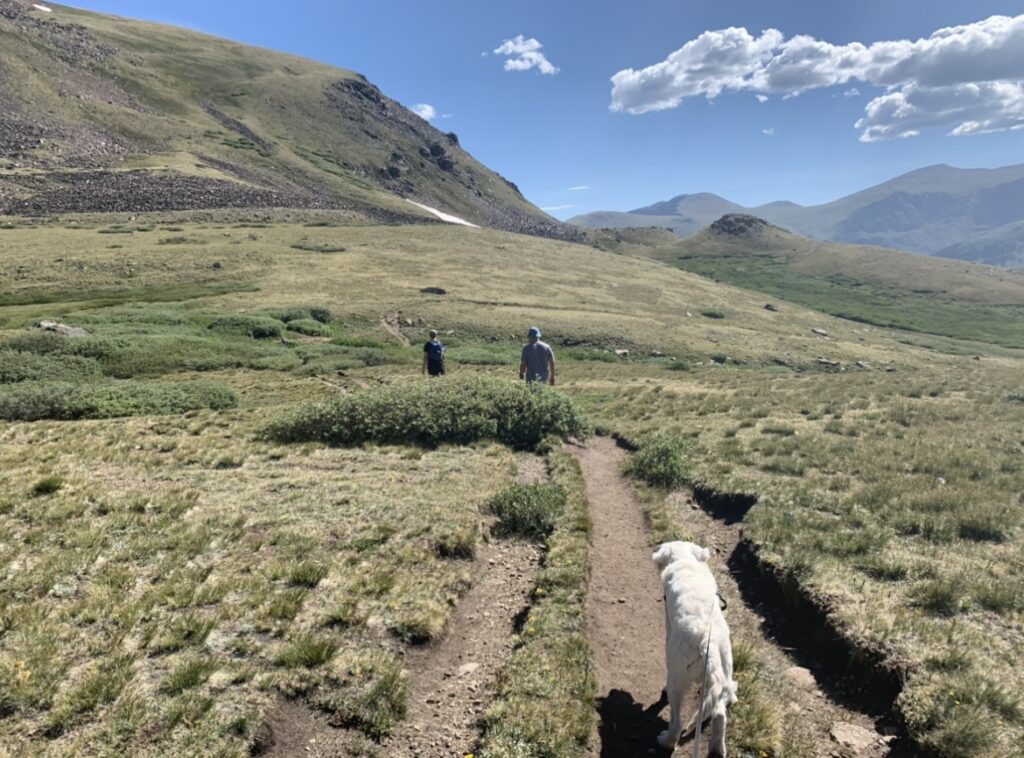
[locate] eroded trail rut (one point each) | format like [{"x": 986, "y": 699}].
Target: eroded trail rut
[{"x": 626, "y": 621}]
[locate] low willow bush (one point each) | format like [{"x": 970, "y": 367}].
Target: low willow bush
[
  {"x": 257, "y": 327},
  {"x": 661, "y": 460},
  {"x": 34, "y": 401},
  {"x": 435, "y": 412},
  {"x": 528, "y": 510},
  {"x": 17, "y": 366}
]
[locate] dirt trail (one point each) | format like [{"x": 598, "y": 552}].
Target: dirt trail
[
  {"x": 625, "y": 613},
  {"x": 626, "y": 619},
  {"x": 392, "y": 325},
  {"x": 451, "y": 680}
]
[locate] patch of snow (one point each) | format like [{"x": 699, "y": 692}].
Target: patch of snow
[
  {"x": 42, "y": 8},
  {"x": 441, "y": 215}
]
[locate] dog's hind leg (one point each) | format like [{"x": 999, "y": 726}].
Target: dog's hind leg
[
  {"x": 716, "y": 744},
  {"x": 675, "y": 691}
]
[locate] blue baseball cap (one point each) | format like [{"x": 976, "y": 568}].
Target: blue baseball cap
[{"x": 534, "y": 332}]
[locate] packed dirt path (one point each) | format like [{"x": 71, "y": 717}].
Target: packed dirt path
[
  {"x": 625, "y": 613},
  {"x": 626, "y": 627}
]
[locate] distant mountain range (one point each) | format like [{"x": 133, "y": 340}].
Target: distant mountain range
[
  {"x": 970, "y": 214},
  {"x": 99, "y": 113}
]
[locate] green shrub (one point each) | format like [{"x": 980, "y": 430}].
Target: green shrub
[
  {"x": 32, "y": 401},
  {"x": 661, "y": 460},
  {"x": 47, "y": 485},
  {"x": 712, "y": 313},
  {"x": 17, "y": 366},
  {"x": 309, "y": 327},
  {"x": 256, "y": 327},
  {"x": 433, "y": 412},
  {"x": 528, "y": 510},
  {"x": 299, "y": 312}
]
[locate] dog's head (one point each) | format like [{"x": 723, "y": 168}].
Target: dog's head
[{"x": 670, "y": 552}]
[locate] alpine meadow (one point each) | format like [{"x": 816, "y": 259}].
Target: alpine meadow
[{"x": 237, "y": 519}]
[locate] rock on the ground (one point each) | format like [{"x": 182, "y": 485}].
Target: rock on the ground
[
  {"x": 820, "y": 332},
  {"x": 771, "y": 307},
  {"x": 857, "y": 738},
  {"x": 800, "y": 677},
  {"x": 468, "y": 668},
  {"x": 63, "y": 329}
]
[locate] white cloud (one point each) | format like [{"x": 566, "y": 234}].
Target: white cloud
[
  {"x": 557, "y": 207},
  {"x": 425, "y": 111},
  {"x": 579, "y": 188},
  {"x": 770, "y": 131},
  {"x": 762, "y": 98},
  {"x": 966, "y": 78},
  {"x": 523, "y": 54}
]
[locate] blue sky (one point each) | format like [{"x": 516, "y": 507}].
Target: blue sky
[{"x": 556, "y": 131}]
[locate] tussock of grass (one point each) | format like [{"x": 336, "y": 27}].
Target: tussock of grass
[
  {"x": 431, "y": 413},
  {"x": 367, "y": 690},
  {"x": 307, "y": 651},
  {"x": 528, "y": 510},
  {"x": 544, "y": 703},
  {"x": 190, "y": 673}
]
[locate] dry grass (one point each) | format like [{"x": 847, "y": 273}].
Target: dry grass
[
  {"x": 155, "y": 575},
  {"x": 182, "y": 544}
]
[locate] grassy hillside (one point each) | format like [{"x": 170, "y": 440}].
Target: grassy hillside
[
  {"x": 870, "y": 285},
  {"x": 167, "y": 575},
  {"x": 109, "y": 114}
]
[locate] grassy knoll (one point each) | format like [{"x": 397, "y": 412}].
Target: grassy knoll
[
  {"x": 164, "y": 577},
  {"x": 867, "y": 284}
]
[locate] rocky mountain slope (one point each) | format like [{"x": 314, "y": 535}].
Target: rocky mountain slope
[
  {"x": 99, "y": 113},
  {"x": 936, "y": 210}
]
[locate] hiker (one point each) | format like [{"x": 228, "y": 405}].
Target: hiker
[
  {"x": 433, "y": 355},
  {"x": 538, "y": 362}
]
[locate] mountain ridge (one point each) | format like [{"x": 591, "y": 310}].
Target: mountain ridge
[
  {"x": 104, "y": 113},
  {"x": 928, "y": 210}
]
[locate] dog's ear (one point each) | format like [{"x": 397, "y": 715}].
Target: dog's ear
[
  {"x": 702, "y": 554},
  {"x": 661, "y": 557}
]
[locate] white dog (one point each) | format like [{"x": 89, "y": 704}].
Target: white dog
[{"x": 692, "y": 612}]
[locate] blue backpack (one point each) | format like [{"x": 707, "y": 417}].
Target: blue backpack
[{"x": 434, "y": 350}]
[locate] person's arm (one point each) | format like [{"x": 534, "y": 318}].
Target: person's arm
[
  {"x": 551, "y": 367},
  {"x": 424, "y": 360},
  {"x": 522, "y": 365}
]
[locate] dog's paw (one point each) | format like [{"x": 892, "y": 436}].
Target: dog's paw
[{"x": 666, "y": 741}]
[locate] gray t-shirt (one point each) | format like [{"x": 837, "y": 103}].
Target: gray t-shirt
[{"x": 536, "y": 357}]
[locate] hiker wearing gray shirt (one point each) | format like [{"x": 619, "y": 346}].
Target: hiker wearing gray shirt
[{"x": 538, "y": 362}]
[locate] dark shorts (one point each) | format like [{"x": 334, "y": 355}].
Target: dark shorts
[{"x": 435, "y": 369}]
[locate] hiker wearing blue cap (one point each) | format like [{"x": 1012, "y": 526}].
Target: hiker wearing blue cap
[{"x": 538, "y": 363}]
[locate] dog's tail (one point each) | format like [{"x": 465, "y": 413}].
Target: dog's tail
[{"x": 719, "y": 689}]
